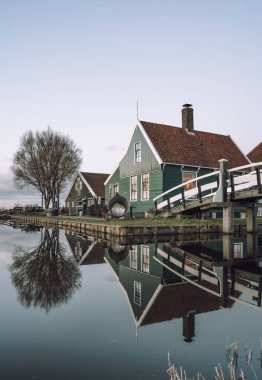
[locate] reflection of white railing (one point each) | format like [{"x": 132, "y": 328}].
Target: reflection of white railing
[
  {"x": 179, "y": 195},
  {"x": 210, "y": 278}
]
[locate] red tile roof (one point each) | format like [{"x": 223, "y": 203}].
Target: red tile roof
[
  {"x": 175, "y": 301},
  {"x": 176, "y": 146},
  {"x": 96, "y": 182},
  {"x": 255, "y": 155}
]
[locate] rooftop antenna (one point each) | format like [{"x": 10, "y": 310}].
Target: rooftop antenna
[{"x": 137, "y": 110}]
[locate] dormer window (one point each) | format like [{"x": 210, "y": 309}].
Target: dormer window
[{"x": 138, "y": 152}]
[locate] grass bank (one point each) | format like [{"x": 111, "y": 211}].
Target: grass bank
[{"x": 147, "y": 222}]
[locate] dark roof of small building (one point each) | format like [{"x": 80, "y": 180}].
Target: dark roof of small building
[
  {"x": 96, "y": 256},
  {"x": 255, "y": 155},
  {"x": 204, "y": 149},
  {"x": 96, "y": 182}
]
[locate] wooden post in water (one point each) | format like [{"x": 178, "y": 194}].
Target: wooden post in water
[
  {"x": 252, "y": 245},
  {"x": 228, "y": 219},
  {"x": 252, "y": 218},
  {"x": 228, "y": 247}
]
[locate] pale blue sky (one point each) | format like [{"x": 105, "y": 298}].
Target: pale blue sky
[{"x": 80, "y": 66}]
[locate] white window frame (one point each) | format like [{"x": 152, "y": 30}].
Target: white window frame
[
  {"x": 113, "y": 189},
  {"x": 131, "y": 192},
  {"x": 142, "y": 191},
  {"x": 78, "y": 250},
  {"x": 137, "y": 293},
  {"x": 192, "y": 185},
  {"x": 78, "y": 184},
  {"x": 137, "y": 152},
  {"x": 145, "y": 258},
  {"x": 90, "y": 202},
  {"x": 133, "y": 257},
  {"x": 238, "y": 250}
]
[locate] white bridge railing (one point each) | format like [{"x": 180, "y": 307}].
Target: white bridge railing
[{"x": 217, "y": 185}]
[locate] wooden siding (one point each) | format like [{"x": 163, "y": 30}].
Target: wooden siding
[
  {"x": 148, "y": 163},
  {"x": 173, "y": 175},
  {"x": 75, "y": 196},
  {"x": 113, "y": 180},
  {"x": 155, "y": 188}
]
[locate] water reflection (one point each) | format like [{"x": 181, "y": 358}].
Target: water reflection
[
  {"x": 163, "y": 281},
  {"x": 166, "y": 281},
  {"x": 85, "y": 249},
  {"x": 45, "y": 276}
]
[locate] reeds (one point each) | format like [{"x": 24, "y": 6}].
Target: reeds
[{"x": 232, "y": 356}]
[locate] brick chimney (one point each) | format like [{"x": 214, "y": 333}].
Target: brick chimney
[{"x": 188, "y": 118}]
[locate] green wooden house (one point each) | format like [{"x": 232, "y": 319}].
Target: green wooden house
[
  {"x": 160, "y": 157},
  {"x": 86, "y": 194}
]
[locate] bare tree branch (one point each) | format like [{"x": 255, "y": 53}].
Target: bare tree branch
[{"x": 46, "y": 161}]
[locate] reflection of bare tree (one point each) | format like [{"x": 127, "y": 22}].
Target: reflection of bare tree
[{"x": 45, "y": 276}]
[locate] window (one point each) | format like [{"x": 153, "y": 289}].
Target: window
[
  {"x": 78, "y": 185},
  {"x": 78, "y": 250},
  {"x": 133, "y": 188},
  {"x": 68, "y": 204},
  {"x": 137, "y": 292},
  {"x": 90, "y": 201},
  {"x": 187, "y": 176},
  {"x": 145, "y": 186},
  {"x": 113, "y": 189},
  {"x": 133, "y": 257},
  {"x": 145, "y": 259},
  {"x": 138, "y": 152},
  {"x": 73, "y": 204},
  {"x": 238, "y": 250}
]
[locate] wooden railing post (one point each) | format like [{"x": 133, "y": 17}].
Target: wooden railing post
[
  {"x": 199, "y": 192},
  {"x": 168, "y": 203},
  {"x": 259, "y": 292},
  {"x": 232, "y": 185},
  {"x": 156, "y": 207},
  {"x": 258, "y": 179},
  {"x": 200, "y": 270},
  {"x": 221, "y": 194},
  {"x": 183, "y": 197}
]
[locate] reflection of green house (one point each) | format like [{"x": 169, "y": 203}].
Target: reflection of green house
[
  {"x": 160, "y": 157},
  {"x": 85, "y": 249},
  {"x": 140, "y": 275},
  {"x": 156, "y": 294}
]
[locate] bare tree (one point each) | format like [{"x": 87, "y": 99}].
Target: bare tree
[
  {"x": 45, "y": 275},
  {"x": 46, "y": 161}
]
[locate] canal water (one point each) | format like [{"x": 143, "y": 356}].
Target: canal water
[{"x": 75, "y": 307}]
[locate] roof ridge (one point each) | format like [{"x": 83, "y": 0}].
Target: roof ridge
[
  {"x": 94, "y": 173},
  {"x": 174, "y": 126},
  {"x": 165, "y": 125}
]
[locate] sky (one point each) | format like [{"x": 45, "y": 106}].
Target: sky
[{"x": 81, "y": 67}]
